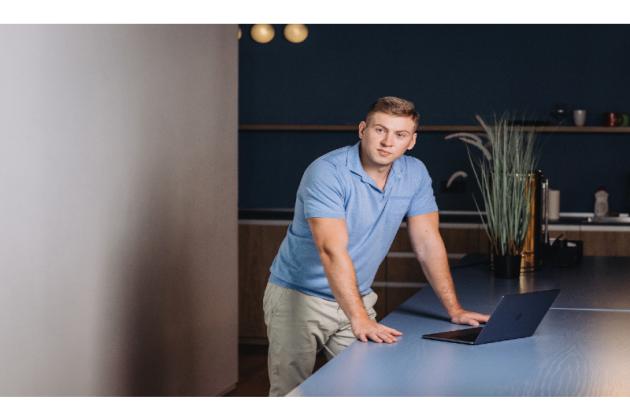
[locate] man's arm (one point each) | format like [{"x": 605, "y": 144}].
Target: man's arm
[
  {"x": 429, "y": 249},
  {"x": 331, "y": 238}
]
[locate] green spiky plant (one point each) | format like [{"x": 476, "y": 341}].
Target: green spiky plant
[{"x": 503, "y": 182}]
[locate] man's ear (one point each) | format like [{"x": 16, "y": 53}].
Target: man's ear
[
  {"x": 362, "y": 126},
  {"x": 413, "y": 142}
]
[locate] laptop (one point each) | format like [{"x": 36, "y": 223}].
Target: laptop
[{"x": 515, "y": 316}]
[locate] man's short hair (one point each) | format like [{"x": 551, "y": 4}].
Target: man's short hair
[{"x": 394, "y": 106}]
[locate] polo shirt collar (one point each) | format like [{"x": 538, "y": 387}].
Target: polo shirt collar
[{"x": 353, "y": 160}]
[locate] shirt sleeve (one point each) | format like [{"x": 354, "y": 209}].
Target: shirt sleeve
[
  {"x": 423, "y": 201},
  {"x": 322, "y": 191}
]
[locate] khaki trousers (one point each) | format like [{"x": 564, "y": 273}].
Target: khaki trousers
[{"x": 298, "y": 327}]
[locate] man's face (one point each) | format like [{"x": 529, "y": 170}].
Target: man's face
[{"x": 385, "y": 138}]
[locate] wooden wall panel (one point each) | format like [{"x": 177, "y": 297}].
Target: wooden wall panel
[
  {"x": 456, "y": 240},
  {"x": 461, "y": 240},
  {"x": 401, "y": 242},
  {"x": 381, "y": 291},
  {"x": 616, "y": 244},
  {"x": 258, "y": 245},
  {"x": 404, "y": 269},
  {"x": 397, "y": 295}
]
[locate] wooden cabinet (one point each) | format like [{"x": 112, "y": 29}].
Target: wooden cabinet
[
  {"x": 381, "y": 291},
  {"x": 399, "y": 277},
  {"x": 258, "y": 245},
  {"x": 598, "y": 240},
  {"x": 403, "y": 278},
  {"x": 606, "y": 243},
  {"x": 404, "y": 275},
  {"x": 458, "y": 239}
]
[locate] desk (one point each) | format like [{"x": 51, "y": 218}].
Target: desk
[{"x": 581, "y": 348}]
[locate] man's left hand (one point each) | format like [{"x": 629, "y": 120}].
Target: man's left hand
[{"x": 469, "y": 318}]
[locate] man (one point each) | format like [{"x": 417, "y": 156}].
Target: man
[{"x": 348, "y": 209}]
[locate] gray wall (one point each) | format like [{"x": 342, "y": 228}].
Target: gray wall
[{"x": 118, "y": 216}]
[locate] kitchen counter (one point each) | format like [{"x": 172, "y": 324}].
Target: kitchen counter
[{"x": 568, "y": 221}]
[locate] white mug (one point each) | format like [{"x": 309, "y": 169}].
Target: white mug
[
  {"x": 553, "y": 205},
  {"x": 579, "y": 117}
]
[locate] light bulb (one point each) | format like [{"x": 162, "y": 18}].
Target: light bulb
[
  {"x": 262, "y": 33},
  {"x": 295, "y": 33}
]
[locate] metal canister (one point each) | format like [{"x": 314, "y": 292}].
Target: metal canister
[{"x": 537, "y": 189}]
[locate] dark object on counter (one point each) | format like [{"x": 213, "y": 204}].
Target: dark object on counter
[
  {"x": 563, "y": 253},
  {"x": 506, "y": 266},
  {"x": 516, "y": 315},
  {"x": 560, "y": 113}
]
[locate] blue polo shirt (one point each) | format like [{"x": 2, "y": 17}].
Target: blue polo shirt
[{"x": 336, "y": 186}]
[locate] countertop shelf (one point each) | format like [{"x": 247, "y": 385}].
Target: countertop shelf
[
  {"x": 253, "y": 216},
  {"x": 430, "y": 128}
]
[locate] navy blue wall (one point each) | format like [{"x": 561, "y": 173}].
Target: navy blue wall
[{"x": 451, "y": 72}]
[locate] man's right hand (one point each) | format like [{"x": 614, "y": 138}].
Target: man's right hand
[
  {"x": 331, "y": 239},
  {"x": 367, "y": 328}
]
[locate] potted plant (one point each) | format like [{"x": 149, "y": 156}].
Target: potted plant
[{"x": 502, "y": 175}]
